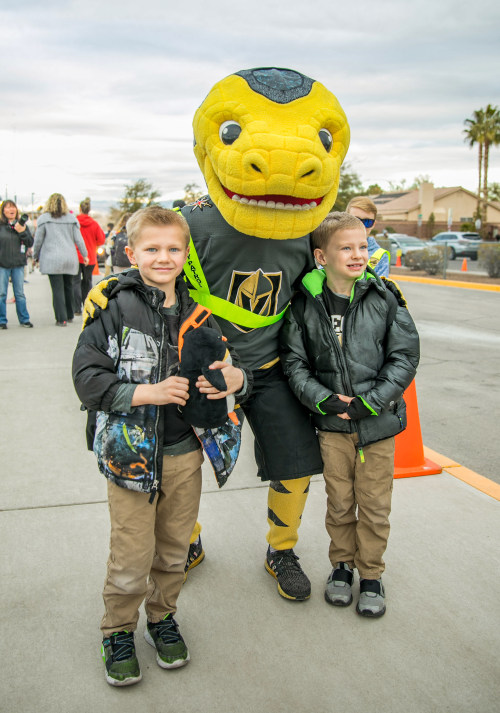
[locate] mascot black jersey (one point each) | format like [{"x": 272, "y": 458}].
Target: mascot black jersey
[{"x": 255, "y": 274}]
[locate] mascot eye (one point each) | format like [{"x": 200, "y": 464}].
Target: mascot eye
[
  {"x": 326, "y": 139},
  {"x": 229, "y": 132}
]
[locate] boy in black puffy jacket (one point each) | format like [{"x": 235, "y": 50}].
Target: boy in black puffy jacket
[
  {"x": 126, "y": 367},
  {"x": 350, "y": 348}
]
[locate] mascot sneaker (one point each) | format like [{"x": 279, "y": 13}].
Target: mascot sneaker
[
  {"x": 196, "y": 555},
  {"x": 171, "y": 651},
  {"x": 284, "y": 566},
  {"x": 371, "y": 598},
  {"x": 118, "y": 653},
  {"x": 338, "y": 585}
]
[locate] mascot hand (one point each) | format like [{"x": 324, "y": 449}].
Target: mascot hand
[
  {"x": 97, "y": 299},
  {"x": 396, "y": 291},
  {"x": 220, "y": 380}
]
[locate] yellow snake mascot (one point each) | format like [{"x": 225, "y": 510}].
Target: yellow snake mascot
[{"x": 270, "y": 143}]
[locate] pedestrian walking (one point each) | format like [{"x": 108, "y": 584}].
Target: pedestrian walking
[
  {"x": 93, "y": 236},
  {"x": 57, "y": 235}
]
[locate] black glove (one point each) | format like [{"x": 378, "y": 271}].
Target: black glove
[
  {"x": 333, "y": 405},
  {"x": 357, "y": 409}
]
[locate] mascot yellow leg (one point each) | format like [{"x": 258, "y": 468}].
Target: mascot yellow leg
[
  {"x": 286, "y": 501},
  {"x": 196, "y": 553},
  {"x": 196, "y": 533}
]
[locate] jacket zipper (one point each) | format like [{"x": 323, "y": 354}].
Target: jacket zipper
[
  {"x": 337, "y": 346},
  {"x": 157, "y": 480}
]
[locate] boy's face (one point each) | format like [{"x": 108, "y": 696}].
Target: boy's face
[
  {"x": 363, "y": 215},
  {"x": 346, "y": 254},
  {"x": 160, "y": 254}
]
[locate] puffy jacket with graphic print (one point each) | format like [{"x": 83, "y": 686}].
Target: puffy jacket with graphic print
[
  {"x": 376, "y": 361},
  {"x": 127, "y": 343}
]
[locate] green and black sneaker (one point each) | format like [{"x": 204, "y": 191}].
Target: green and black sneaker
[
  {"x": 171, "y": 651},
  {"x": 118, "y": 654}
]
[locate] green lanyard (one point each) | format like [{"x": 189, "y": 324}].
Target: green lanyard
[{"x": 200, "y": 292}]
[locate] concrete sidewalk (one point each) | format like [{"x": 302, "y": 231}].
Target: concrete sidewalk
[{"x": 251, "y": 651}]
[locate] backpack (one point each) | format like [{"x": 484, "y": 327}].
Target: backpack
[{"x": 118, "y": 255}]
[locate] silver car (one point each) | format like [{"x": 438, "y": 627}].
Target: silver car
[
  {"x": 402, "y": 242},
  {"x": 460, "y": 244}
]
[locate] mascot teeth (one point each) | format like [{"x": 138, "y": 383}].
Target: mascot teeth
[{"x": 262, "y": 202}]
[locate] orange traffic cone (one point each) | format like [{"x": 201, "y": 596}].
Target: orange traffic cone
[
  {"x": 398, "y": 261},
  {"x": 96, "y": 271},
  {"x": 464, "y": 265},
  {"x": 409, "y": 459}
]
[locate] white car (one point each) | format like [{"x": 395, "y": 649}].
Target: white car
[{"x": 460, "y": 244}]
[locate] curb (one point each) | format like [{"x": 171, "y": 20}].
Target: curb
[
  {"x": 479, "y": 482},
  {"x": 446, "y": 283}
]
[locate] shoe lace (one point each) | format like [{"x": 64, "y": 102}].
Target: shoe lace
[
  {"x": 122, "y": 645},
  {"x": 286, "y": 561},
  {"x": 168, "y": 631}
]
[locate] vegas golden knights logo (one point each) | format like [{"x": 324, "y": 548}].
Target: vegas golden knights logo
[{"x": 256, "y": 292}]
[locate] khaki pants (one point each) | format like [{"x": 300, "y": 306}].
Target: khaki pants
[
  {"x": 149, "y": 544},
  {"x": 359, "y": 539}
]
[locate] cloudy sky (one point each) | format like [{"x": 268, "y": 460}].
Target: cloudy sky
[{"x": 97, "y": 94}]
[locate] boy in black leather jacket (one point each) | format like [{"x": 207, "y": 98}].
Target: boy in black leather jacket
[{"x": 350, "y": 348}]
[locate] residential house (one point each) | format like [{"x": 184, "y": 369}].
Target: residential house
[{"x": 426, "y": 210}]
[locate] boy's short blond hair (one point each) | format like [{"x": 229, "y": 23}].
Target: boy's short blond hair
[
  {"x": 157, "y": 216},
  {"x": 363, "y": 203},
  {"x": 332, "y": 224}
]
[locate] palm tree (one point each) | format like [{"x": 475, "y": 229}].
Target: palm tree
[
  {"x": 483, "y": 129},
  {"x": 474, "y": 134},
  {"x": 491, "y": 138}
]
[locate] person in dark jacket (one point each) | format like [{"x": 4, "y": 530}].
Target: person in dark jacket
[
  {"x": 350, "y": 348},
  {"x": 126, "y": 368},
  {"x": 118, "y": 242},
  {"x": 93, "y": 236},
  {"x": 15, "y": 239}
]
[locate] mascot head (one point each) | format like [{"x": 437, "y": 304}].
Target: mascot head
[{"x": 270, "y": 143}]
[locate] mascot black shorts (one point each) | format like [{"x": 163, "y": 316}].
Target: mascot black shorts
[{"x": 286, "y": 446}]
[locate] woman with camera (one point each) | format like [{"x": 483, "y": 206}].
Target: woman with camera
[
  {"x": 15, "y": 239},
  {"x": 57, "y": 234}
]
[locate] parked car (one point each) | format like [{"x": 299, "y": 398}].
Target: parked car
[
  {"x": 402, "y": 242},
  {"x": 460, "y": 244}
]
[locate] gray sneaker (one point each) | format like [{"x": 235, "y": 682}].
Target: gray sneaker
[
  {"x": 371, "y": 598},
  {"x": 338, "y": 586}
]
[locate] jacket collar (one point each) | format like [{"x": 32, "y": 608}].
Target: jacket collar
[
  {"x": 131, "y": 280},
  {"x": 314, "y": 281}
]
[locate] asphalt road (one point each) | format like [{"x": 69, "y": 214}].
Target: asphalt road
[{"x": 458, "y": 377}]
